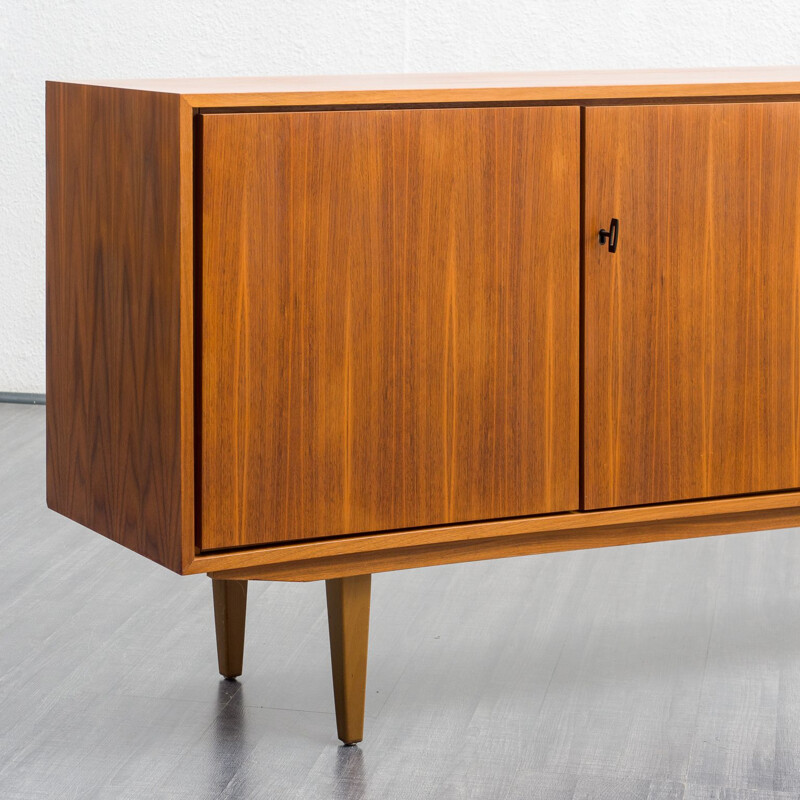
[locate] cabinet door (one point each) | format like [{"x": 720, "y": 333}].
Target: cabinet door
[
  {"x": 390, "y": 319},
  {"x": 692, "y": 328}
]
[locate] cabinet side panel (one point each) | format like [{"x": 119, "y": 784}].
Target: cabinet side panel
[
  {"x": 390, "y": 320},
  {"x": 113, "y": 308}
]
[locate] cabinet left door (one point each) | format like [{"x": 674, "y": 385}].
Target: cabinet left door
[{"x": 389, "y": 319}]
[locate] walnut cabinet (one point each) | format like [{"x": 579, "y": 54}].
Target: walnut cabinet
[{"x": 319, "y": 328}]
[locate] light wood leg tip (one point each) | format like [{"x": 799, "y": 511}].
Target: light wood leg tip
[{"x": 350, "y": 737}]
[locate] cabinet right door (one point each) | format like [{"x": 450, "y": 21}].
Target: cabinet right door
[{"x": 692, "y": 326}]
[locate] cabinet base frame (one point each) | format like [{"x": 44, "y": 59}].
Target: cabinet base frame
[{"x": 341, "y": 565}]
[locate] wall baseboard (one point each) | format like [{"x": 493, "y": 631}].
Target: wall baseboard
[{"x": 22, "y": 397}]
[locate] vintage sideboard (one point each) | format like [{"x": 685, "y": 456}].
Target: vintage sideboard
[{"x": 318, "y": 328}]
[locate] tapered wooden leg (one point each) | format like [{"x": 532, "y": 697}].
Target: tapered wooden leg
[
  {"x": 348, "y": 624},
  {"x": 230, "y": 607}
]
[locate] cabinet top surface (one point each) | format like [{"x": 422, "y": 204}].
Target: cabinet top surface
[{"x": 475, "y": 87}]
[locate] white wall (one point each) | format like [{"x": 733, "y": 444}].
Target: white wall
[{"x": 75, "y": 39}]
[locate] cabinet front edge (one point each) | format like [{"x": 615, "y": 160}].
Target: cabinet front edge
[{"x": 540, "y": 95}]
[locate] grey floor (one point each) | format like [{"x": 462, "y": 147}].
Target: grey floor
[{"x": 659, "y": 672}]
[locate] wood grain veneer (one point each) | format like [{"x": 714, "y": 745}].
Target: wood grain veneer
[
  {"x": 390, "y": 320},
  {"x": 121, "y": 303},
  {"x": 692, "y": 354},
  {"x": 116, "y": 240}
]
